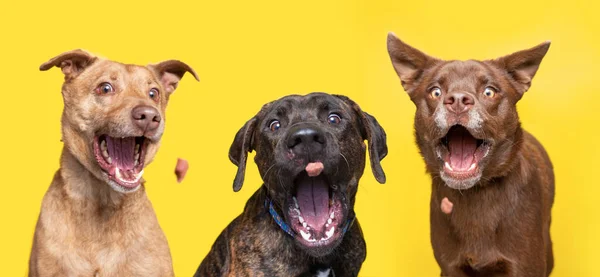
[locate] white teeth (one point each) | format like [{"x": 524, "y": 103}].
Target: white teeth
[
  {"x": 136, "y": 163},
  {"x": 120, "y": 177},
  {"x": 301, "y": 219},
  {"x": 105, "y": 153},
  {"x": 137, "y": 157},
  {"x": 472, "y": 167},
  {"x": 329, "y": 234},
  {"x": 103, "y": 145},
  {"x": 332, "y": 215},
  {"x": 137, "y": 148},
  {"x": 306, "y": 236},
  {"x": 329, "y": 221},
  {"x": 304, "y": 224},
  {"x": 447, "y": 165},
  {"x": 296, "y": 203},
  {"x": 109, "y": 160}
]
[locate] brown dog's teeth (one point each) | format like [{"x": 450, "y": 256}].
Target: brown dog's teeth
[{"x": 103, "y": 146}]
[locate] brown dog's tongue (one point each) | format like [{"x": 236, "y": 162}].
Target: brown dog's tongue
[
  {"x": 461, "y": 146},
  {"x": 314, "y": 169}
]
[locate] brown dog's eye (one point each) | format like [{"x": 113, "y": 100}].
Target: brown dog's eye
[
  {"x": 105, "y": 88},
  {"x": 489, "y": 92},
  {"x": 274, "y": 125},
  {"x": 153, "y": 93},
  {"x": 436, "y": 92},
  {"x": 334, "y": 118}
]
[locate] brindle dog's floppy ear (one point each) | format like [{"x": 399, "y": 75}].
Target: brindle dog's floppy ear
[
  {"x": 170, "y": 73},
  {"x": 375, "y": 135},
  {"x": 238, "y": 152},
  {"x": 71, "y": 63},
  {"x": 523, "y": 65},
  {"x": 408, "y": 62}
]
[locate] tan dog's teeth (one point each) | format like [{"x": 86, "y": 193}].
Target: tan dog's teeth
[
  {"x": 447, "y": 165},
  {"x": 109, "y": 160},
  {"x": 137, "y": 157},
  {"x": 472, "y": 167},
  {"x": 103, "y": 146},
  {"x": 137, "y": 148},
  {"x": 136, "y": 163}
]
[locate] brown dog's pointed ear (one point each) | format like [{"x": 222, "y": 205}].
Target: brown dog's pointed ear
[
  {"x": 238, "y": 152},
  {"x": 523, "y": 65},
  {"x": 71, "y": 63},
  {"x": 408, "y": 62},
  {"x": 375, "y": 135},
  {"x": 170, "y": 73}
]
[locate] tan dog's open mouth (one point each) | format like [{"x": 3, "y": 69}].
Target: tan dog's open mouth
[
  {"x": 462, "y": 153},
  {"x": 122, "y": 159}
]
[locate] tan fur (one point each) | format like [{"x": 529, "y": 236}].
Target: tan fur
[{"x": 85, "y": 227}]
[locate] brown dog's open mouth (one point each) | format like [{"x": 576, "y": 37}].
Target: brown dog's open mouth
[
  {"x": 121, "y": 158},
  {"x": 463, "y": 153},
  {"x": 316, "y": 213}
]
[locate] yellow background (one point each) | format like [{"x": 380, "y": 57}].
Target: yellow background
[{"x": 250, "y": 52}]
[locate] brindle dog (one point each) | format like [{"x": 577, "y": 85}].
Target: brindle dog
[
  {"x": 310, "y": 152},
  {"x": 493, "y": 180}
]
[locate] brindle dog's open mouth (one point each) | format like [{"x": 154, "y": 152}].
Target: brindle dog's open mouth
[
  {"x": 462, "y": 152},
  {"x": 122, "y": 159},
  {"x": 316, "y": 212}
]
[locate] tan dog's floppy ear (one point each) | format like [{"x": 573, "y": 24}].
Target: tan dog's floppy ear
[
  {"x": 408, "y": 62},
  {"x": 376, "y": 137},
  {"x": 170, "y": 73},
  {"x": 238, "y": 152},
  {"x": 523, "y": 65},
  {"x": 71, "y": 63}
]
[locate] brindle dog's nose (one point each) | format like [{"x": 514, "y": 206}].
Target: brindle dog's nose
[
  {"x": 146, "y": 118},
  {"x": 306, "y": 138},
  {"x": 458, "y": 102}
]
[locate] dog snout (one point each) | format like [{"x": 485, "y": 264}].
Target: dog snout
[
  {"x": 458, "y": 102},
  {"x": 146, "y": 118},
  {"x": 306, "y": 138}
]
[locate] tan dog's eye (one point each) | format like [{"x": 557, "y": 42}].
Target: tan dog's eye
[
  {"x": 489, "y": 92},
  {"x": 436, "y": 92},
  {"x": 334, "y": 118},
  {"x": 104, "y": 88},
  {"x": 153, "y": 93},
  {"x": 274, "y": 125}
]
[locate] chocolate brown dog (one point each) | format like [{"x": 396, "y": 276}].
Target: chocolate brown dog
[
  {"x": 95, "y": 219},
  {"x": 310, "y": 152},
  {"x": 493, "y": 183}
]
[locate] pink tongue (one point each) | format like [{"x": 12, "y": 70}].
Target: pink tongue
[
  {"x": 121, "y": 151},
  {"x": 313, "y": 198},
  {"x": 462, "y": 148},
  {"x": 314, "y": 169}
]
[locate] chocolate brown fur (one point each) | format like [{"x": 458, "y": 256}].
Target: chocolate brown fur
[
  {"x": 253, "y": 244},
  {"x": 87, "y": 227},
  {"x": 500, "y": 221}
]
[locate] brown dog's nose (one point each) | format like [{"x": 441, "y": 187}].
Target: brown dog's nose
[
  {"x": 146, "y": 118},
  {"x": 459, "y": 102},
  {"x": 305, "y": 138}
]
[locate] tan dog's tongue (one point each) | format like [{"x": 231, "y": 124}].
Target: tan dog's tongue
[{"x": 314, "y": 169}]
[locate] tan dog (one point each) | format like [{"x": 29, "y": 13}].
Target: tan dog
[{"x": 95, "y": 219}]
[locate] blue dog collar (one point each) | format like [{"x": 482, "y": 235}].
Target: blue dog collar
[{"x": 286, "y": 228}]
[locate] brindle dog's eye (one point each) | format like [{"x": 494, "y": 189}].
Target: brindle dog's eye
[
  {"x": 274, "y": 125},
  {"x": 153, "y": 93},
  {"x": 105, "y": 88},
  {"x": 436, "y": 92},
  {"x": 334, "y": 118},
  {"x": 489, "y": 92}
]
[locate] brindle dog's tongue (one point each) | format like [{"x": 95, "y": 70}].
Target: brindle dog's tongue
[
  {"x": 121, "y": 151},
  {"x": 313, "y": 198},
  {"x": 461, "y": 146}
]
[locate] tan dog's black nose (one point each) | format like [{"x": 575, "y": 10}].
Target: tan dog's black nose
[
  {"x": 458, "y": 102},
  {"x": 305, "y": 138},
  {"x": 146, "y": 118}
]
